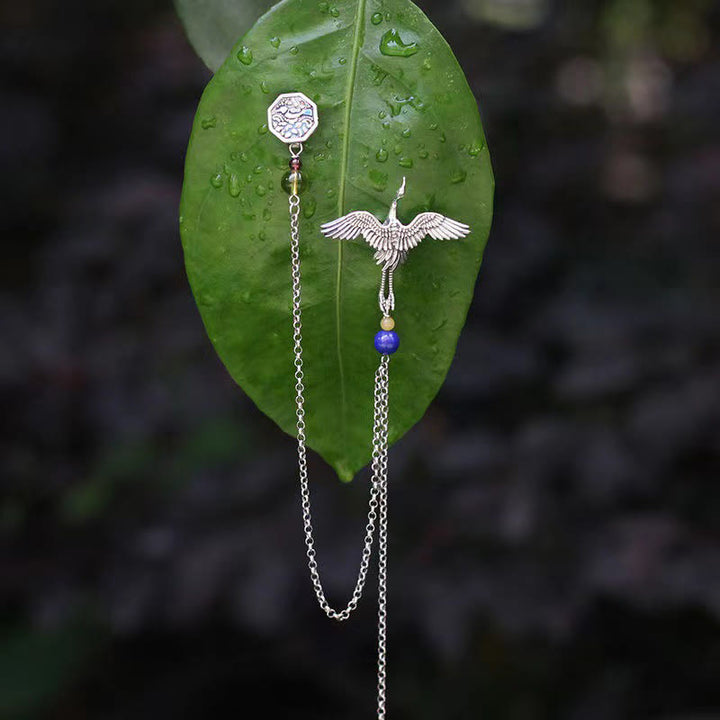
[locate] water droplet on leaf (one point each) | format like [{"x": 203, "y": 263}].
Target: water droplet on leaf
[
  {"x": 475, "y": 149},
  {"x": 378, "y": 179},
  {"x": 376, "y": 18},
  {"x": 391, "y": 44},
  {"x": 405, "y": 162},
  {"x": 458, "y": 176},
  {"x": 397, "y": 103},
  {"x": 406, "y": 133},
  {"x": 334, "y": 12},
  {"x": 294, "y": 50},
  {"x": 381, "y": 155},
  {"x": 275, "y": 41},
  {"x": 262, "y": 129},
  {"x": 245, "y": 55},
  {"x": 217, "y": 180},
  {"x": 264, "y": 87},
  {"x": 209, "y": 122},
  {"x": 234, "y": 185},
  {"x": 378, "y": 75},
  {"x": 310, "y": 207}
]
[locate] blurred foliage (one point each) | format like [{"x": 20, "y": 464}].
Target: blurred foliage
[
  {"x": 515, "y": 15},
  {"x": 218, "y": 443},
  {"x": 36, "y": 666}
]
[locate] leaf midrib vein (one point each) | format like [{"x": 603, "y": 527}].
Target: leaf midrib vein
[{"x": 344, "y": 161}]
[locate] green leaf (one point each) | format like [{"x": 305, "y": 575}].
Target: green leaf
[
  {"x": 213, "y": 26},
  {"x": 392, "y": 102}
]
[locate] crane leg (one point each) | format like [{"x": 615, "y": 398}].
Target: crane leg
[{"x": 386, "y": 296}]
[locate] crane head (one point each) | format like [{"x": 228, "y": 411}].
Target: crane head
[{"x": 392, "y": 215}]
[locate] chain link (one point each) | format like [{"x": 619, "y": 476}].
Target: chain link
[{"x": 377, "y": 504}]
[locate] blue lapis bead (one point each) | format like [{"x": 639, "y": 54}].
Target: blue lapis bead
[{"x": 387, "y": 342}]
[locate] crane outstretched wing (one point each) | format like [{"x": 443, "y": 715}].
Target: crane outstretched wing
[
  {"x": 358, "y": 223},
  {"x": 435, "y": 225}
]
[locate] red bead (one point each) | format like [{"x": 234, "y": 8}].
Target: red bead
[{"x": 295, "y": 163}]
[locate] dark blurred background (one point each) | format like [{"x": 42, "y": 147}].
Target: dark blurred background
[{"x": 554, "y": 517}]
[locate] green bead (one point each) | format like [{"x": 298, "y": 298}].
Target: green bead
[{"x": 289, "y": 178}]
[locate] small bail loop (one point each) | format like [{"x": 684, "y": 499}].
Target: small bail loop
[{"x": 295, "y": 149}]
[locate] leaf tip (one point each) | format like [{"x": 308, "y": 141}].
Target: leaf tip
[{"x": 345, "y": 473}]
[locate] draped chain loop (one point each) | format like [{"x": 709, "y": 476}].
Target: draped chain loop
[{"x": 377, "y": 503}]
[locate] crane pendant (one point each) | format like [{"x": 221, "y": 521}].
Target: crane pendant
[{"x": 391, "y": 240}]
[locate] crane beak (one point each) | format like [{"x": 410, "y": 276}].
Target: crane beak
[{"x": 401, "y": 191}]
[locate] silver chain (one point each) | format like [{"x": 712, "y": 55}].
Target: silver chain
[{"x": 377, "y": 504}]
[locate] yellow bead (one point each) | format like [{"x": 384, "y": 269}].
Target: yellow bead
[
  {"x": 292, "y": 182},
  {"x": 387, "y": 323}
]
